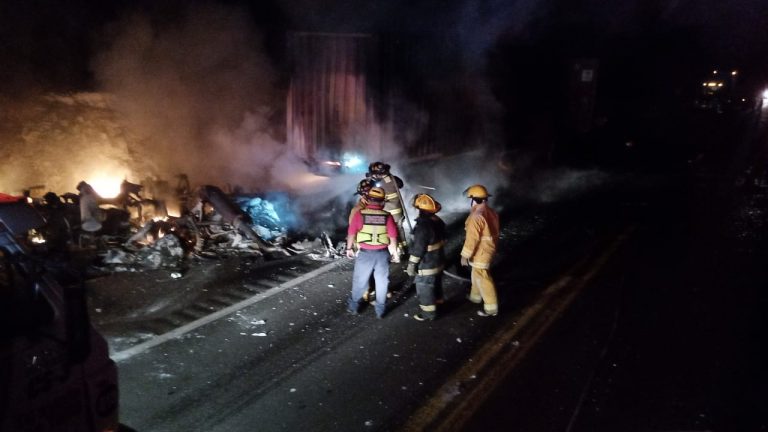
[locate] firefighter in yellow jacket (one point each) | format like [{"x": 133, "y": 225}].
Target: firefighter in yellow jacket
[{"x": 482, "y": 236}]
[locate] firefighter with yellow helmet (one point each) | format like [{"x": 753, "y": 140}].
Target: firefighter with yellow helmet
[
  {"x": 363, "y": 187},
  {"x": 380, "y": 173},
  {"x": 482, "y": 236},
  {"x": 427, "y": 257},
  {"x": 375, "y": 233}
]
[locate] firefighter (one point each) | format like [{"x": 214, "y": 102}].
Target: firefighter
[
  {"x": 482, "y": 236},
  {"x": 381, "y": 175},
  {"x": 375, "y": 233},
  {"x": 363, "y": 188},
  {"x": 427, "y": 258}
]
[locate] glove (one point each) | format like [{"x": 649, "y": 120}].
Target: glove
[
  {"x": 411, "y": 269},
  {"x": 464, "y": 262}
]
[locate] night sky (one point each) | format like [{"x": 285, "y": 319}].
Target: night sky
[{"x": 50, "y": 44}]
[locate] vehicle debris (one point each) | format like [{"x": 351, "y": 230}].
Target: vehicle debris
[{"x": 134, "y": 231}]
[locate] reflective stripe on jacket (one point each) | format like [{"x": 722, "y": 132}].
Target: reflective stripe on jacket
[
  {"x": 390, "y": 184},
  {"x": 374, "y": 230},
  {"x": 427, "y": 248},
  {"x": 482, "y": 229}
]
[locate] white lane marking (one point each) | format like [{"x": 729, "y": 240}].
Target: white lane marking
[{"x": 175, "y": 333}]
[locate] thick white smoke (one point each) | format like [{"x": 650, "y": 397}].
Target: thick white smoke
[
  {"x": 196, "y": 94},
  {"x": 200, "y": 94}
]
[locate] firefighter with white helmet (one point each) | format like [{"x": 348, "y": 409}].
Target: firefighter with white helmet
[
  {"x": 375, "y": 233},
  {"x": 482, "y": 236},
  {"x": 380, "y": 173},
  {"x": 427, "y": 257}
]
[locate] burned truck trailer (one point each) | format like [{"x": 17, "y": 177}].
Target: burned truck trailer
[{"x": 336, "y": 101}]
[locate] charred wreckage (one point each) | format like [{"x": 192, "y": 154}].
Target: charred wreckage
[{"x": 133, "y": 232}]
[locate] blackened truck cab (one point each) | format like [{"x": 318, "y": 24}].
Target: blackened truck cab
[{"x": 55, "y": 370}]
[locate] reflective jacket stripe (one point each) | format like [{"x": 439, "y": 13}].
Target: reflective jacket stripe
[
  {"x": 435, "y": 246},
  {"x": 430, "y": 272},
  {"x": 482, "y": 266}
]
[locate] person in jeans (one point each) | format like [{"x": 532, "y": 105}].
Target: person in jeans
[
  {"x": 375, "y": 232},
  {"x": 380, "y": 173}
]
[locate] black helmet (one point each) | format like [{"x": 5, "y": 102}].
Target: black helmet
[
  {"x": 364, "y": 186},
  {"x": 378, "y": 168}
]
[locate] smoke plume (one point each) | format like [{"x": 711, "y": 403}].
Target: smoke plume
[{"x": 199, "y": 93}]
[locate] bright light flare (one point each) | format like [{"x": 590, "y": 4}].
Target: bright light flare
[
  {"x": 765, "y": 94},
  {"x": 105, "y": 185},
  {"x": 352, "y": 161},
  {"x": 173, "y": 209},
  {"x": 349, "y": 162},
  {"x": 36, "y": 237}
]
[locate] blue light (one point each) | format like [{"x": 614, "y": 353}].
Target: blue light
[
  {"x": 270, "y": 216},
  {"x": 353, "y": 163}
]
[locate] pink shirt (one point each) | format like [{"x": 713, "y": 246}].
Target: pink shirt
[{"x": 356, "y": 224}]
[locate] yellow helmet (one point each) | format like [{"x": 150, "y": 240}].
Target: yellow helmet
[
  {"x": 476, "y": 191},
  {"x": 376, "y": 194},
  {"x": 426, "y": 203}
]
